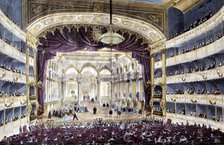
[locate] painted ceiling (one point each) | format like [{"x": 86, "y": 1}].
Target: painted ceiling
[{"x": 148, "y": 1}]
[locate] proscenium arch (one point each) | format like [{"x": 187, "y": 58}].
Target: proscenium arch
[{"x": 147, "y": 30}]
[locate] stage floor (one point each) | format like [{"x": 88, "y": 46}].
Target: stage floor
[{"x": 102, "y": 112}]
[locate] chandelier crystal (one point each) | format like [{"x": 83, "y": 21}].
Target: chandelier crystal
[{"x": 111, "y": 38}]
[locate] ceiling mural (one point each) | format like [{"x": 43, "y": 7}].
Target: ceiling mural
[{"x": 148, "y": 1}]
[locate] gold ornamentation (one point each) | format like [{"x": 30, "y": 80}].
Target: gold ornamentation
[
  {"x": 3, "y": 75},
  {"x": 31, "y": 82},
  {"x": 31, "y": 40},
  {"x": 219, "y": 73},
  {"x": 57, "y": 19},
  {"x": 212, "y": 101},
  {"x": 8, "y": 102},
  {"x": 173, "y": 99},
  {"x": 39, "y": 84},
  {"x": 155, "y": 18},
  {"x": 16, "y": 78},
  {"x": 204, "y": 76},
  {"x": 23, "y": 102},
  {"x": 193, "y": 100},
  {"x": 183, "y": 78},
  {"x": 98, "y": 7}
]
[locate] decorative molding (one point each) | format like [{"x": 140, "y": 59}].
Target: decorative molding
[
  {"x": 158, "y": 46},
  {"x": 211, "y": 49},
  {"x": 197, "y": 31},
  {"x": 211, "y": 74},
  {"x": 197, "y": 98},
  {"x": 147, "y": 30},
  {"x": 9, "y": 50},
  {"x": 37, "y": 9},
  {"x": 31, "y": 40},
  {"x": 12, "y": 27}
]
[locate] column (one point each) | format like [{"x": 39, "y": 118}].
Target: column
[
  {"x": 98, "y": 87},
  {"x": 152, "y": 61},
  {"x": 35, "y": 80},
  {"x": 28, "y": 105},
  {"x": 133, "y": 92},
  {"x": 163, "y": 82},
  {"x": 78, "y": 87}
]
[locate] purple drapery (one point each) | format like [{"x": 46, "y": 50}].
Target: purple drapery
[{"x": 66, "y": 40}]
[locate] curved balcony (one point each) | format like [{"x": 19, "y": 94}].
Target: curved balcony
[
  {"x": 206, "y": 75},
  {"x": 12, "y": 127},
  {"x": 210, "y": 99},
  {"x": 199, "y": 30},
  {"x": 192, "y": 120},
  {"x": 200, "y": 53},
  {"x": 11, "y": 51},
  {"x": 12, "y": 27},
  {"x": 12, "y": 76},
  {"x": 6, "y": 102}
]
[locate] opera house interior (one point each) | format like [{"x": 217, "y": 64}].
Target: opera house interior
[{"x": 111, "y": 72}]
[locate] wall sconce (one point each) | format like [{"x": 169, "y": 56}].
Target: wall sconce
[
  {"x": 3, "y": 75},
  {"x": 219, "y": 73}
]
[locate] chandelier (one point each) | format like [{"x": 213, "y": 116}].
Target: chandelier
[{"x": 111, "y": 38}]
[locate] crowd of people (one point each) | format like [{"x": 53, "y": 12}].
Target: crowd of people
[
  {"x": 196, "y": 23},
  {"x": 13, "y": 92},
  {"x": 194, "y": 90},
  {"x": 146, "y": 131},
  {"x": 188, "y": 48},
  {"x": 14, "y": 69},
  {"x": 171, "y": 71}
]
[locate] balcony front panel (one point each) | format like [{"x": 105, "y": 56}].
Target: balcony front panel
[
  {"x": 200, "y": 53},
  {"x": 15, "y": 53},
  {"x": 199, "y": 30},
  {"x": 217, "y": 100},
  {"x": 211, "y": 74}
]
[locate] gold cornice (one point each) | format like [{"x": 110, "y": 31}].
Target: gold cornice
[
  {"x": 155, "y": 14},
  {"x": 77, "y": 26},
  {"x": 158, "y": 46}
]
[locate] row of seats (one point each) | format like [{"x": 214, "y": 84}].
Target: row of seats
[
  {"x": 12, "y": 114},
  {"x": 147, "y": 131},
  {"x": 193, "y": 44},
  {"x": 196, "y": 110},
  {"x": 12, "y": 89},
  {"x": 196, "y": 23}
]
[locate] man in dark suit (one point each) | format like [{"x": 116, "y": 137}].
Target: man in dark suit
[
  {"x": 74, "y": 115},
  {"x": 94, "y": 110}
]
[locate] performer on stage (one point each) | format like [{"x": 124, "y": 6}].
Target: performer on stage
[
  {"x": 74, "y": 115},
  {"x": 94, "y": 110}
]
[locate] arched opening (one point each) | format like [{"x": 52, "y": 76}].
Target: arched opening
[{"x": 57, "y": 38}]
